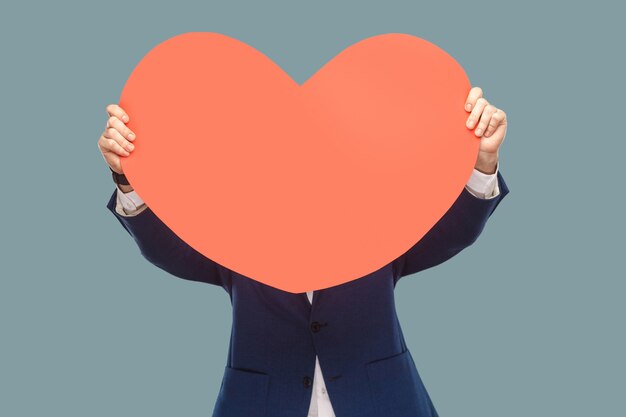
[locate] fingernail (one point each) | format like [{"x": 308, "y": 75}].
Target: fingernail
[
  {"x": 125, "y": 118},
  {"x": 479, "y": 131},
  {"x": 468, "y": 107},
  {"x": 131, "y": 147},
  {"x": 469, "y": 123},
  {"x": 131, "y": 136}
]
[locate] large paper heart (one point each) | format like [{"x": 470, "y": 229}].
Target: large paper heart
[{"x": 300, "y": 187}]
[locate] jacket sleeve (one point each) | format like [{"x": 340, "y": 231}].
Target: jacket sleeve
[
  {"x": 163, "y": 248},
  {"x": 459, "y": 228}
]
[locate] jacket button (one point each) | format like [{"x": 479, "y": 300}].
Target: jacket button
[
  {"x": 316, "y": 326},
  {"x": 307, "y": 381}
]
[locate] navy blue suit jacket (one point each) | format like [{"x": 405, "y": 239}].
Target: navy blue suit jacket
[{"x": 352, "y": 327}]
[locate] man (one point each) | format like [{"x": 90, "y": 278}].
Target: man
[{"x": 338, "y": 351}]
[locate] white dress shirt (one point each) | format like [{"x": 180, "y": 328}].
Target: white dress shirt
[{"x": 480, "y": 185}]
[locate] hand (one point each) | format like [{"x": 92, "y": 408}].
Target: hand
[
  {"x": 490, "y": 126},
  {"x": 116, "y": 139}
]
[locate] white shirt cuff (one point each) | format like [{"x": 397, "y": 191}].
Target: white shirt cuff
[
  {"x": 130, "y": 202},
  {"x": 484, "y": 185}
]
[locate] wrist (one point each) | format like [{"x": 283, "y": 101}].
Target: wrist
[
  {"x": 125, "y": 188},
  {"x": 121, "y": 181},
  {"x": 487, "y": 163}
]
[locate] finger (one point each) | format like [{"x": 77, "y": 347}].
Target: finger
[
  {"x": 112, "y": 134},
  {"x": 473, "y": 96},
  {"x": 485, "y": 119},
  {"x": 117, "y": 111},
  {"x": 110, "y": 146},
  {"x": 474, "y": 116},
  {"x": 116, "y": 123},
  {"x": 496, "y": 119}
]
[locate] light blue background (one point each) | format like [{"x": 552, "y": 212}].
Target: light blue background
[{"x": 529, "y": 321}]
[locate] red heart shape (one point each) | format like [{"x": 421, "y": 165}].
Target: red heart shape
[{"x": 301, "y": 187}]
